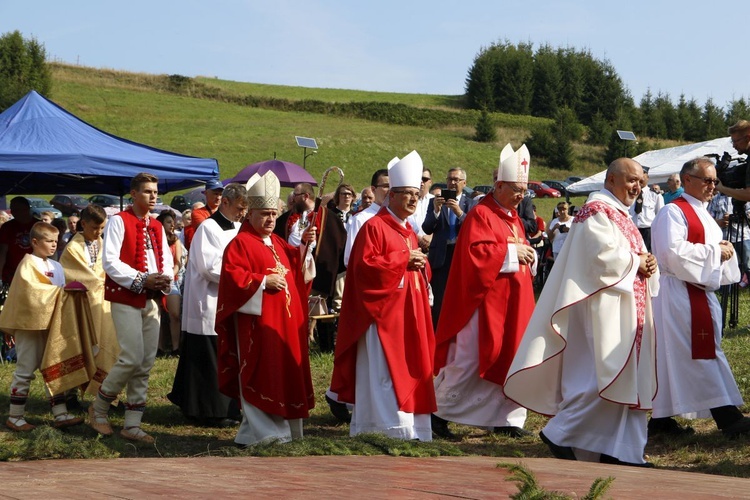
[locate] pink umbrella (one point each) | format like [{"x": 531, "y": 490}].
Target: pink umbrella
[{"x": 289, "y": 174}]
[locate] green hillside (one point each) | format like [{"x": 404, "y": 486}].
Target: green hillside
[{"x": 212, "y": 118}]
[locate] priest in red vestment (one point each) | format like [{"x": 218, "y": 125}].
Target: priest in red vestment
[
  {"x": 261, "y": 322},
  {"x": 489, "y": 298},
  {"x": 385, "y": 346}
]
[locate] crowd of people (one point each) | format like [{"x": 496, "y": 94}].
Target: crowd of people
[{"x": 426, "y": 297}]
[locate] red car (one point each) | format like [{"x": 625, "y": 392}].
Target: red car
[{"x": 542, "y": 190}]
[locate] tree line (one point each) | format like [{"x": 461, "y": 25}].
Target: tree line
[{"x": 586, "y": 99}]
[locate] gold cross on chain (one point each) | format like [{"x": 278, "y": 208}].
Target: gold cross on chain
[{"x": 281, "y": 271}]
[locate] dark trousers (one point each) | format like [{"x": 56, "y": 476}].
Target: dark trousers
[
  {"x": 438, "y": 282},
  {"x": 646, "y": 234}
]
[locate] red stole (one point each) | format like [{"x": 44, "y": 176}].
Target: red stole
[{"x": 702, "y": 334}]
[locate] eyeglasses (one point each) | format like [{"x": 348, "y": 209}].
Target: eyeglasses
[
  {"x": 706, "y": 180},
  {"x": 425, "y": 179},
  {"x": 347, "y": 194},
  {"x": 454, "y": 179},
  {"x": 382, "y": 186},
  {"x": 411, "y": 194},
  {"x": 294, "y": 195}
]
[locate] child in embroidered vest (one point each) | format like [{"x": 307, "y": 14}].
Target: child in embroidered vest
[{"x": 27, "y": 315}]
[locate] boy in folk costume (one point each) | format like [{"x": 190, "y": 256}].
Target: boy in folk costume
[
  {"x": 32, "y": 314},
  {"x": 138, "y": 265},
  {"x": 82, "y": 261}
]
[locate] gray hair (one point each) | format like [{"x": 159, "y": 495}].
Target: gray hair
[
  {"x": 692, "y": 166},
  {"x": 234, "y": 191},
  {"x": 460, "y": 170}
]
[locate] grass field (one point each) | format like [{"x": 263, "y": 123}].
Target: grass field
[
  {"x": 133, "y": 106},
  {"x": 129, "y": 106},
  {"x": 707, "y": 451}
]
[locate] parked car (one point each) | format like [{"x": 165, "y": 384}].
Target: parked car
[
  {"x": 38, "y": 205},
  {"x": 182, "y": 202},
  {"x": 105, "y": 200},
  {"x": 69, "y": 204},
  {"x": 542, "y": 190},
  {"x": 157, "y": 208},
  {"x": 561, "y": 186},
  {"x": 483, "y": 188},
  {"x": 570, "y": 180}
]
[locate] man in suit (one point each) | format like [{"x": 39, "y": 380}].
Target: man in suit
[{"x": 445, "y": 214}]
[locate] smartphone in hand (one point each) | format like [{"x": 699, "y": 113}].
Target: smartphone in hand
[{"x": 449, "y": 194}]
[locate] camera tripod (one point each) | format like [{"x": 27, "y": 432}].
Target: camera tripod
[{"x": 730, "y": 294}]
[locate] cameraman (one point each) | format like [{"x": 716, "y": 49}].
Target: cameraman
[
  {"x": 740, "y": 133},
  {"x": 559, "y": 227}
]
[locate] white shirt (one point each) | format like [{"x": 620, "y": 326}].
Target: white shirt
[
  {"x": 355, "y": 224},
  {"x": 122, "y": 273},
  {"x": 50, "y": 268},
  {"x": 652, "y": 203},
  {"x": 417, "y": 218}
]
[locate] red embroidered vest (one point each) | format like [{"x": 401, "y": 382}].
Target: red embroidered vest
[{"x": 133, "y": 253}]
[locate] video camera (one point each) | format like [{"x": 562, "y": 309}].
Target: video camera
[{"x": 730, "y": 176}]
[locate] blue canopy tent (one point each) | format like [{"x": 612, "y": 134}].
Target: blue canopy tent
[{"x": 44, "y": 149}]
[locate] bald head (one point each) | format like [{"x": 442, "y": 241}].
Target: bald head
[{"x": 623, "y": 179}]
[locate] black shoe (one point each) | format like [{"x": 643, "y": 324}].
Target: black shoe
[
  {"x": 511, "y": 431},
  {"x": 667, "y": 426},
  {"x": 74, "y": 405},
  {"x": 339, "y": 410},
  {"x": 608, "y": 459},
  {"x": 561, "y": 452},
  {"x": 221, "y": 423},
  {"x": 440, "y": 428},
  {"x": 741, "y": 426}
]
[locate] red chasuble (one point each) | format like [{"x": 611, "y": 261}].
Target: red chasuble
[
  {"x": 505, "y": 301},
  {"x": 377, "y": 267},
  {"x": 272, "y": 361}
]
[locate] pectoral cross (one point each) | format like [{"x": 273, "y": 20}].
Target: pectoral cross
[
  {"x": 416, "y": 276},
  {"x": 281, "y": 271},
  {"x": 516, "y": 239}
]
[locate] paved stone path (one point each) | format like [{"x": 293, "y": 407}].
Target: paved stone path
[{"x": 341, "y": 477}]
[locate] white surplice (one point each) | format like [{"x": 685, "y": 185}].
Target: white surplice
[
  {"x": 202, "y": 277},
  {"x": 377, "y": 408},
  {"x": 689, "y": 387},
  {"x": 466, "y": 398}
]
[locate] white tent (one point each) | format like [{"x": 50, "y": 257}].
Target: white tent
[{"x": 661, "y": 162}]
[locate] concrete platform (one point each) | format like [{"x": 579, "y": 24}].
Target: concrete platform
[{"x": 342, "y": 476}]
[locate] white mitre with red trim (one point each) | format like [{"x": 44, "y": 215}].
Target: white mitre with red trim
[{"x": 514, "y": 166}]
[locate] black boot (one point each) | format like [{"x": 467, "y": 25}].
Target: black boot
[
  {"x": 339, "y": 410},
  {"x": 440, "y": 428}
]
